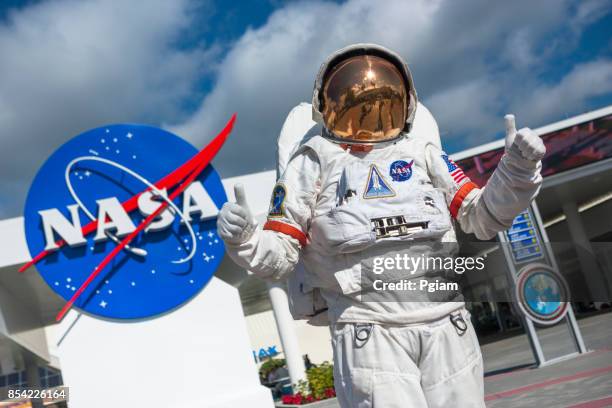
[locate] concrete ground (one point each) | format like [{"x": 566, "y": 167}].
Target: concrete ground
[
  {"x": 584, "y": 381},
  {"x": 581, "y": 382}
]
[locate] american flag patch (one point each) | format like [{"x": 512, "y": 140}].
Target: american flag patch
[
  {"x": 454, "y": 170},
  {"x": 451, "y": 164}
]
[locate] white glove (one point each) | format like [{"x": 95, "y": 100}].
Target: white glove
[
  {"x": 526, "y": 141},
  {"x": 235, "y": 223}
]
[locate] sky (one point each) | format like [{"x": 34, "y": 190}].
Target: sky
[{"x": 67, "y": 66}]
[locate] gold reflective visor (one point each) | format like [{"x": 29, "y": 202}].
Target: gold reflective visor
[{"x": 365, "y": 100}]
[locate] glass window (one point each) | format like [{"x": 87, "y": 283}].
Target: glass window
[
  {"x": 55, "y": 381},
  {"x": 13, "y": 379}
]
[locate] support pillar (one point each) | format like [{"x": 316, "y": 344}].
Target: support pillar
[
  {"x": 286, "y": 330},
  {"x": 586, "y": 255},
  {"x": 32, "y": 377}
]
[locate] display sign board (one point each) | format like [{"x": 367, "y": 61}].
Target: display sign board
[
  {"x": 540, "y": 292},
  {"x": 523, "y": 238},
  {"x": 537, "y": 293}
]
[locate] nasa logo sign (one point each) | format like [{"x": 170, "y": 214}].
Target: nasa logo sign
[
  {"x": 121, "y": 221},
  {"x": 401, "y": 170}
]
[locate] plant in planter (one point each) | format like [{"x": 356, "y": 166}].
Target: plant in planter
[{"x": 321, "y": 380}]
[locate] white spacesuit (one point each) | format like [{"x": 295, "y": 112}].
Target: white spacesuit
[{"x": 362, "y": 184}]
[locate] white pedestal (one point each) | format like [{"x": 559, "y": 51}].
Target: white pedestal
[{"x": 197, "y": 356}]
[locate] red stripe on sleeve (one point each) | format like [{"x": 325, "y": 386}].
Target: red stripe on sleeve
[
  {"x": 286, "y": 229},
  {"x": 460, "y": 178},
  {"x": 459, "y": 197}
]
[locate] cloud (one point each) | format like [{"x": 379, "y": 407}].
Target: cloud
[
  {"x": 68, "y": 66},
  {"x": 585, "y": 81},
  {"x": 472, "y": 61},
  {"x": 472, "y": 109},
  {"x": 469, "y": 108}
]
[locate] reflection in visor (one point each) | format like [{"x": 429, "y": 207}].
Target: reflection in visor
[{"x": 365, "y": 100}]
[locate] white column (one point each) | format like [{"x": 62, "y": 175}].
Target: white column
[
  {"x": 588, "y": 264},
  {"x": 286, "y": 330}
]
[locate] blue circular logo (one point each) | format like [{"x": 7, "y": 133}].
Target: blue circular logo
[
  {"x": 401, "y": 170},
  {"x": 96, "y": 191},
  {"x": 542, "y": 294}
]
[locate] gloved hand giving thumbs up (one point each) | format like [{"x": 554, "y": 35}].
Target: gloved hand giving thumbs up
[
  {"x": 235, "y": 223},
  {"x": 526, "y": 141}
]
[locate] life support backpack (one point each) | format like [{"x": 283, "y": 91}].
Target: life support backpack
[{"x": 305, "y": 302}]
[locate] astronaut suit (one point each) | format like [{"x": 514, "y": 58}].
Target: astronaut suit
[{"x": 366, "y": 181}]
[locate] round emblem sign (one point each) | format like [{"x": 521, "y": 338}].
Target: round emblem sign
[
  {"x": 120, "y": 220},
  {"x": 401, "y": 170},
  {"x": 542, "y": 294}
]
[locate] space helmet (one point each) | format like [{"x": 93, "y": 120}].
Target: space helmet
[{"x": 364, "y": 95}]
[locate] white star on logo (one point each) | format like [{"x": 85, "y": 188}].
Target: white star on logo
[
  {"x": 103, "y": 304},
  {"x": 129, "y": 135}
]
